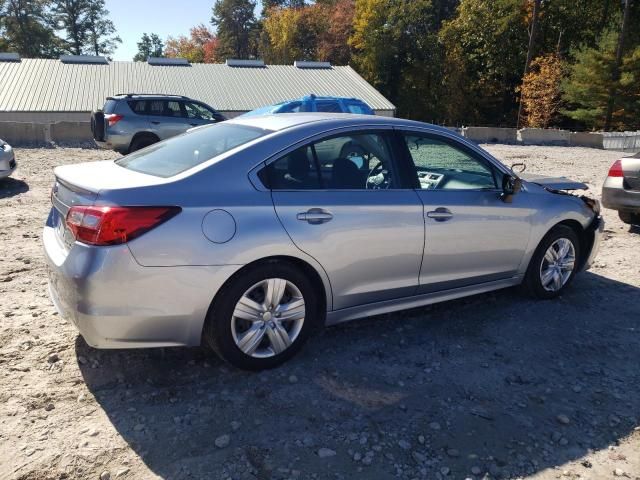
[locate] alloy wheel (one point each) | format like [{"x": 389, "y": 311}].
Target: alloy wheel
[
  {"x": 557, "y": 264},
  {"x": 268, "y": 318}
]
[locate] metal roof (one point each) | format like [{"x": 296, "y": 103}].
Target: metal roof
[{"x": 39, "y": 85}]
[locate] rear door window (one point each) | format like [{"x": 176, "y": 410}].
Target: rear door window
[
  {"x": 170, "y": 157},
  {"x": 156, "y": 107},
  {"x": 328, "y": 106}
]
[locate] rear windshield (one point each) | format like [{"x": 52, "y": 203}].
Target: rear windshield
[
  {"x": 109, "y": 106},
  {"x": 173, "y": 156}
]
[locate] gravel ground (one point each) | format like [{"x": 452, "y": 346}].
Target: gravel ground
[{"x": 493, "y": 386}]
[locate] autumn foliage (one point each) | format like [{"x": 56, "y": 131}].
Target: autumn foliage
[
  {"x": 540, "y": 92},
  {"x": 198, "y": 47}
]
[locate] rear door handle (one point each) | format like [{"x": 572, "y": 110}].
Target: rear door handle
[
  {"x": 440, "y": 214},
  {"x": 156, "y": 123},
  {"x": 315, "y": 216}
]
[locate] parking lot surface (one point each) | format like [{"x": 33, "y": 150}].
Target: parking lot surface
[{"x": 492, "y": 386}]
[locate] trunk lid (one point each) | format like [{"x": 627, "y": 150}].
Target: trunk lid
[
  {"x": 554, "y": 183},
  {"x": 81, "y": 184}
]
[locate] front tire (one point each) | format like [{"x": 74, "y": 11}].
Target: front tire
[
  {"x": 263, "y": 316},
  {"x": 554, "y": 263},
  {"x": 141, "y": 142}
]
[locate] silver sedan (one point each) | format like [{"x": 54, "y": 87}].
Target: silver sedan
[
  {"x": 621, "y": 189},
  {"x": 250, "y": 234},
  {"x": 7, "y": 160}
]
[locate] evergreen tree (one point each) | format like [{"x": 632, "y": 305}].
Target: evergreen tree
[
  {"x": 26, "y": 28},
  {"x": 149, "y": 46},
  {"x": 237, "y": 28},
  {"x": 588, "y": 87}
]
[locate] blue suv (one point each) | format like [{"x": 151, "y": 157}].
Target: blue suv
[{"x": 311, "y": 103}]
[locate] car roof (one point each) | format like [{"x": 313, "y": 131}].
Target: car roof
[
  {"x": 282, "y": 121},
  {"x": 120, "y": 96}
]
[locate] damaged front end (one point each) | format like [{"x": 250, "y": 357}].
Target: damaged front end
[{"x": 564, "y": 186}]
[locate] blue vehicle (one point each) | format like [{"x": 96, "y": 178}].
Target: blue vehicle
[{"x": 312, "y": 103}]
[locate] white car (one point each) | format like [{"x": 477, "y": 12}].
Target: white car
[{"x": 7, "y": 159}]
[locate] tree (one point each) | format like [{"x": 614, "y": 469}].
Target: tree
[
  {"x": 587, "y": 90},
  {"x": 334, "y": 42},
  {"x": 293, "y": 33},
  {"x": 615, "y": 74},
  {"x": 71, "y": 16},
  {"x": 485, "y": 49},
  {"x": 540, "y": 94},
  {"x": 149, "y": 46},
  {"x": 27, "y": 30},
  {"x": 395, "y": 48},
  {"x": 237, "y": 28},
  {"x": 199, "y": 47},
  {"x": 101, "y": 32},
  {"x": 533, "y": 32}
]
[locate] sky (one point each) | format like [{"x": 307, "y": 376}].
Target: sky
[{"x": 132, "y": 18}]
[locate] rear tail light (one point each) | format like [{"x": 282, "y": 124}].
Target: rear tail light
[
  {"x": 115, "y": 225},
  {"x": 113, "y": 118},
  {"x": 616, "y": 169}
]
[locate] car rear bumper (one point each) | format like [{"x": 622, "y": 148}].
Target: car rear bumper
[
  {"x": 7, "y": 161},
  {"x": 119, "y": 143},
  {"x": 116, "y": 303},
  {"x": 616, "y": 197}
]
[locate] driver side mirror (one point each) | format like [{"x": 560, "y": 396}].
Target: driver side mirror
[{"x": 510, "y": 186}]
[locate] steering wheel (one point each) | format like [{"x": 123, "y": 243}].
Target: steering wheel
[{"x": 378, "y": 178}]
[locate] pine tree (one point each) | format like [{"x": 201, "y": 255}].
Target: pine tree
[
  {"x": 237, "y": 28},
  {"x": 588, "y": 87},
  {"x": 149, "y": 46}
]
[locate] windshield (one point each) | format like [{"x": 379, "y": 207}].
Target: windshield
[
  {"x": 260, "y": 111},
  {"x": 173, "y": 156}
]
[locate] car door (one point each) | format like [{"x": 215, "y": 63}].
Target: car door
[
  {"x": 471, "y": 235},
  {"x": 166, "y": 118},
  {"x": 350, "y": 214}
]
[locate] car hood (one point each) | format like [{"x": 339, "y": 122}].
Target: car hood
[{"x": 555, "y": 183}]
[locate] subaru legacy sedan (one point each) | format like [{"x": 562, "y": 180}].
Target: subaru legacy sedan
[{"x": 251, "y": 234}]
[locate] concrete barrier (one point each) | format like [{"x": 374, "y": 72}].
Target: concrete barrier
[
  {"x": 586, "y": 139},
  {"x": 490, "y": 134},
  {"x": 24, "y": 133},
  {"x": 543, "y": 136},
  {"x": 28, "y": 133},
  {"x": 71, "y": 132}
]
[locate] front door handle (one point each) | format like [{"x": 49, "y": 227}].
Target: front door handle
[
  {"x": 314, "y": 216},
  {"x": 440, "y": 214}
]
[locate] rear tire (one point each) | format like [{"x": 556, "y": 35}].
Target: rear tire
[
  {"x": 242, "y": 307},
  {"x": 548, "y": 274},
  {"x": 141, "y": 142},
  {"x": 630, "y": 218}
]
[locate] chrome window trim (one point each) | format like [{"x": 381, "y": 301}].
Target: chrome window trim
[
  {"x": 258, "y": 185},
  {"x": 494, "y": 162}
]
